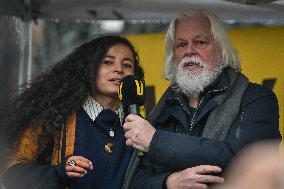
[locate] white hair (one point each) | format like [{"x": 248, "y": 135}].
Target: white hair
[{"x": 229, "y": 55}]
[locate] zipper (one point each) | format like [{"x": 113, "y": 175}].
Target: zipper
[
  {"x": 186, "y": 128},
  {"x": 200, "y": 102}
]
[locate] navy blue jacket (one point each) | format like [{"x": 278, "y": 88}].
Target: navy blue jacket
[{"x": 175, "y": 146}]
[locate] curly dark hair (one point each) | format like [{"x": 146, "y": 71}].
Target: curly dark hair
[{"x": 59, "y": 91}]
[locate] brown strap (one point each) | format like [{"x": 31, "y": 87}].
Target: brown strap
[{"x": 70, "y": 140}]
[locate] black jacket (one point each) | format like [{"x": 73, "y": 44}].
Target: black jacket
[{"x": 176, "y": 145}]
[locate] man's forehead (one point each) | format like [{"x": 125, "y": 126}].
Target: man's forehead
[{"x": 195, "y": 28}]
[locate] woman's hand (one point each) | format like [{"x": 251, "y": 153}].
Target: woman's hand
[{"x": 77, "y": 166}]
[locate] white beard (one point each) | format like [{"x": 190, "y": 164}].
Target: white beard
[{"x": 192, "y": 83}]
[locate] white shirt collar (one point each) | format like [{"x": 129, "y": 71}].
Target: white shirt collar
[{"x": 93, "y": 108}]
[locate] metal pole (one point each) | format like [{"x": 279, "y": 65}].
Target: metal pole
[{"x": 25, "y": 65}]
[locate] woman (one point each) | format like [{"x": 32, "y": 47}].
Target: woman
[{"x": 65, "y": 127}]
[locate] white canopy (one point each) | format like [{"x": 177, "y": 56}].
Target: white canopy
[{"x": 142, "y": 9}]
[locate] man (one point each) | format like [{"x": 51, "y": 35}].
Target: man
[{"x": 209, "y": 112}]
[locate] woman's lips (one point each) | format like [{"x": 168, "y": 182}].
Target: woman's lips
[{"x": 116, "y": 80}]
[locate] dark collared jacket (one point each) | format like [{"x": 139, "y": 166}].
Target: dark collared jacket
[{"x": 178, "y": 142}]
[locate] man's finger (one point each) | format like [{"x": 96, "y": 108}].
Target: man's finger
[
  {"x": 206, "y": 169},
  {"x": 126, "y": 127},
  {"x": 128, "y": 134},
  {"x": 129, "y": 142},
  {"x": 209, "y": 179},
  {"x": 198, "y": 186},
  {"x": 131, "y": 117}
]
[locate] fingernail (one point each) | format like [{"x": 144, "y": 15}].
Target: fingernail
[
  {"x": 92, "y": 167},
  {"x": 85, "y": 172}
]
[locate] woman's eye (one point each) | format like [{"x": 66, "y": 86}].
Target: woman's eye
[
  {"x": 127, "y": 65},
  {"x": 107, "y": 62}
]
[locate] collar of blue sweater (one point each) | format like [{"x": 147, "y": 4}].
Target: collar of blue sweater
[{"x": 93, "y": 108}]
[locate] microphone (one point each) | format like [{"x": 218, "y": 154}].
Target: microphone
[{"x": 132, "y": 95}]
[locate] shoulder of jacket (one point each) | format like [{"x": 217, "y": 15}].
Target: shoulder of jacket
[{"x": 256, "y": 91}]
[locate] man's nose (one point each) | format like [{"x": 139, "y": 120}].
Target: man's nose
[{"x": 190, "y": 50}]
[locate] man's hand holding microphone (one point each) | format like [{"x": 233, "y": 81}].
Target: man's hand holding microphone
[{"x": 138, "y": 131}]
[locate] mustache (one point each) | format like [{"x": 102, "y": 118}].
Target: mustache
[{"x": 192, "y": 60}]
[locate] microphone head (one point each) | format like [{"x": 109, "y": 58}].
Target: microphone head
[{"x": 131, "y": 91}]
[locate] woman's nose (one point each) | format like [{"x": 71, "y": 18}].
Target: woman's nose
[{"x": 118, "y": 67}]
